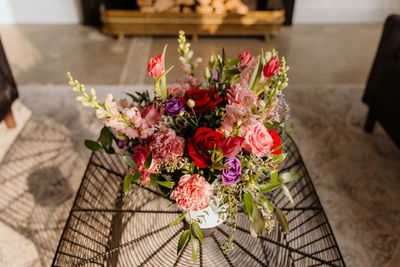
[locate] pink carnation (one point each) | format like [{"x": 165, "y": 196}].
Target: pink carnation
[
  {"x": 242, "y": 96},
  {"x": 140, "y": 154},
  {"x": 167, "y": 146},
  {"x": 259, "y": 141},
  {"x": 193, "y": 192}
]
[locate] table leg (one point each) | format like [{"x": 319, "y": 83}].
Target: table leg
[{"x": 10, "y": 121}]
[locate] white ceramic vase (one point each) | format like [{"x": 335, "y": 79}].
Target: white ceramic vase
[{"x": 210, "y": 217}]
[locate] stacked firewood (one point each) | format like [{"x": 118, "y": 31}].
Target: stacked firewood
[{"x": 189, "y": 6}]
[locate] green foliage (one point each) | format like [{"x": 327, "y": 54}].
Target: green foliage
[
  {"x": 106, "y": 137},
  {"x": 178, "y": 220},
  {"x": 287, "y": 177},
  {"x": 148, "y": 161},
  {"x": 166, "y": 184},
  {"x": 257, "y": 223},
  {"x": 130, "y": 162},
  {"x": 92, "y": 145},
  {"x": 197, "y": 231},
  {"x": 195, "y": 248},
  {"x": 249, "y": 204},
  {"x": 183, "y": 239},
  {"x": 280, "y": 216},
  {"x": 129, "y": 179}
]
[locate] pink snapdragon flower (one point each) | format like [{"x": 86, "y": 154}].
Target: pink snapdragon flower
[
  {"x": 192, "y": 193},
  {"x": 188, "y": 82},
  {"x": 166, "y": 145},
  {"x": 239, "y": 117},
  {"x": 258, "y": 142},
  {"x": 140, "y": 154},
  {"x": 242, "y": 96}
]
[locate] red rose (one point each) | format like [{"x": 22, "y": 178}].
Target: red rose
[
  {"x": 200, "y": 145},
  {"x": 272, "y": 67},
  {"x": 231, "y": 146},
  {"x": 203, "y": 99},
  {"x": 156, "y": 66},
  {"x": 277, "y": 142}
]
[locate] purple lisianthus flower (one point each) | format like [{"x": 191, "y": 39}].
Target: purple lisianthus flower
[
  {"x": 174, "y": 106},
  {"x": 216, "y": 75},
  {"x": 233, "y": 172},
  {"x": 122, "y": 143}
]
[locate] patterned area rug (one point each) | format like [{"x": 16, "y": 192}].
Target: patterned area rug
[{"x": 356, "y": 175}]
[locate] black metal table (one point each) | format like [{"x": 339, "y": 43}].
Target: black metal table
[{"x": 106, "y": 229}]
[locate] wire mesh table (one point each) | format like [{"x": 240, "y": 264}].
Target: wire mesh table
[{"x": 105, "y": 228}]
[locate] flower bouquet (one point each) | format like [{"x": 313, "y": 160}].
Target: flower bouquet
[{"x": 213, "y": 147}]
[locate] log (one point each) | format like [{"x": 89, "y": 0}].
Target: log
[
  {"x": 204, "y": 2},
  {"x": 242, "y": 9},
  {"x": 232, "y": 4},
  {"x": 163, "y": 5},
  {"x": 10, "y": 121},
  {"x": 142, "y": 3},
  {"x": 187, "y": 10},
  {"x": 147, "y": 9},
  {"x": 185, "y": 2},
  {"x": 175, "y": 9},
  {"x": 204, "y": 9}
]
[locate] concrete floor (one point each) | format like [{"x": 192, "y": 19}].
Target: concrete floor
[
  {"x": 329, "y": 65},
  {"x": 317, "y": 54}
]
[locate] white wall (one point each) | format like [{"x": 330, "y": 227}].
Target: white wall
[
  {"x": 344, "y": 11},
  {"x": 40, "y": 11}
]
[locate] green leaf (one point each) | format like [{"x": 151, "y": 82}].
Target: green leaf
[
  {"x": 92, "y": 145},
  {"x": 153, "y": 179},
  {"x": 183, "y": 239},
  {"x": 258, "y": 222},
  {"x": 288, "y": 177},
  {"x": 233, "y": 62},
  {"x": 195, "y": 248},
  {"x": 130, "y": 162},
  {"x": 267, "y": 187},
  {"x": 287, "y": 194},
  {"x": 178, "y": 220},
  {"x": 110, "y": 150},
  {"x": 137, "y": 175},
  {"x": 106, "y": 137},
  {"x": 147, "y": 163},
  {"x": 280, "y": 216},
  {"x": 197, "y": 231},
  {"x": 255, "y": 77},
  {"x": 249, "y": 204},
  {"x": 166, "y": 184},
  {"x": 274, "y": 177},
  {"x": 231, "y": 72},
  {"x": 127, "y": 183},
  {"x": 266, "y": 204}
]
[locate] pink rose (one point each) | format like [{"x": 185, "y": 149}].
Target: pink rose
[
  {"x": 246, "y": 61},
  {"x": 140, "y": 154},
  {"x": 259, "y": 141},
  {"x": 176, "y": 90},
  {"x": 156, "y": 66},
  {"x": 152, "y": 114},
  {"x": 242, "y": 96},
  {"x": 192, "y": 193},
  {"x": 231, "y": 146},
  {"x": 272, "y": 67}
]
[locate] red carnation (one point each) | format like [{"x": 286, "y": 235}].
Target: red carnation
[
  {"x": 201, "y": 144},
  {"x": 276, "y": 144}
]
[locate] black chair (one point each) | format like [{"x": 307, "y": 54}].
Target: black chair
[
  {"x": 8, "y": 90},
  {"x": 382, "y": 93}
]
